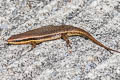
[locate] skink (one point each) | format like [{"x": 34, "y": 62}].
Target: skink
[{"x": 47, "y": 33}]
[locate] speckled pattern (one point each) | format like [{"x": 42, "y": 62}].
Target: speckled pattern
[{"x": 52, "y": 60}]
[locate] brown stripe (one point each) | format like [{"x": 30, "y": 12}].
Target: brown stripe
[{"x": 38, "y": 38}]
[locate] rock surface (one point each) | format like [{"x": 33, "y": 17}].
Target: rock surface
[{"x": 52, "y": 60}]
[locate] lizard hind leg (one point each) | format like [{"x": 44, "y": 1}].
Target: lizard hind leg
[{"x": 65, "y": 37}]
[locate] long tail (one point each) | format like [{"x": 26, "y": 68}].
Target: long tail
[{"x": 99, "y": 43}]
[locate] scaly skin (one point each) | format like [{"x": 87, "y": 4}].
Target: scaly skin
[{"x": 51, "y": 32}]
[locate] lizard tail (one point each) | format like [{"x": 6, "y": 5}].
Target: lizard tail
[{"x": 99, "y": 43}]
